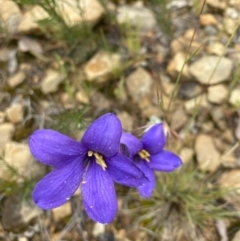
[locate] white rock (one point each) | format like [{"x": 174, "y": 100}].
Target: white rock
[
  {"x": 18, "y": 156},
  {"x": 199, "y": 101},
  {"x": 101, "y": 65},
  {"x": 2, "y": 116},
  {"x": 6, "y": 130},
  {"x": 98, "y": 229},
  {"x": 140, "y": 17},
  {"x": 217, "y": 4},
  {"x": 235, "y": 97},
  {"x": 230, "y": 25},
  {"x": 186, "y": 154},
  {"x": 26, "y": 44},
  {"x": 176, "y": 64},
  {"x": 217, "y": 94},
  {"x": 29, "y": 211},
  {"x": 178, "y": 119},
  {"x": 232, "y": 13},
  {"x": 208, "y": 156},
  {"x": 82, "y": 97},
  {"x": 15, "y": 113},
  {"x": 10, "y": 15},
  {"x": 236, "y": 236},
  {"x": 62, "y": 212},
  {"x": 139, "y": 84},
  {"x": 230, "y": 181},
  {"x": 30, "y": 18},
  {"x": 211, "y": 69},
  {"x": 51, "y": 81},
  {"x": 216, "y": 48},
  {"x": 76, "y": 11},
  {"x": 16, "y": 79}
]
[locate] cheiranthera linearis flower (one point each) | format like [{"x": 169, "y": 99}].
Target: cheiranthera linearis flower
[
  {"x": 148, "y": 154},
  {"x": 94, "y": 163}
]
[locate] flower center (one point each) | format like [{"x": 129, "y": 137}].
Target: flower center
[
  {"x": 144, "y": 155},
  {"x": 99, "y": 159}
]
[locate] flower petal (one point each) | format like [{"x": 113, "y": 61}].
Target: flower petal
[
  {"x": 99, "y": 197},
  {"x": 124, "y": 171},
  {"x": 165, "y": 161},
  {"x": 147, "y": 188},
  {"x": 133, "y": 144},
  {"x": 53, "y": 148},
  {"x": 103, "y": 135},
  {"x": 59, "y": 185},
  {"x": 154, "y": 139}
]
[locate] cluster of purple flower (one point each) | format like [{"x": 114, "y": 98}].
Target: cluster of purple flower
[{"x": 104, "y": 156}]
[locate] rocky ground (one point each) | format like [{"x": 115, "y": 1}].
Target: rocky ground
[{"x": 64, "y": 64}]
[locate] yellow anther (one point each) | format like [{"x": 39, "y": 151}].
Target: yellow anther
[
  {"x": 90, "y": 153},
  {"x": 144, "y": 155},
  {"x": 99, "y": 159}
]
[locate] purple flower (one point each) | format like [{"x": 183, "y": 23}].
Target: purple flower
[
  {"x": 148, "y": 154},
  {"x": 94, "y": 163}
]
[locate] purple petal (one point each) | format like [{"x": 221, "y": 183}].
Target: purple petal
[
  {"x": 103, "y": 135},
  {"x": 147, "y": 188},
  {"x": 53, "y": 148},
  {"x": 59, "y": 185},
  {"x": 133, "y": 144},
  {"x": 165, "y": 161},
  {"x": 154, "y": 139},
  {"x": 124, "y": 171},
  {"x": 99, "y": 197}
]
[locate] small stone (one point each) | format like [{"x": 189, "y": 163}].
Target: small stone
[
  {"x": 207, "y": 19},
  {"x": 189, "y": 90},
  {"x": 233, "y": 3},
  {"x": 10, "y": 15},
  {"x": 16, "y": 79},
  {"x": 101, "y": 66},
  {"x": 51, "y": 81},
  {"x": 30, "y": 18},
  {"x": 176, "y": 64},
  {"x": 211, "y": 30},
  {"x": 211, "y": 70},
  {"x": 235, "y": 97},
  {"x": 15, "y": 113},
  {"x": 139, "y": 84},
  {"x": 26, "y": 44},
  {"x": 6, "y": 130},
  {"x": 136, "y": 17},
  {"x": 200, "y": 101},
  {"x": 2, "y": 117},
  {"x": 62, "y": 212},
  {"x": 74, "y": 12},
  {"x": 230, "y": 25},
  {"x": 22, "y": 239},
  {"x": 126, "y": 120},
  {"x": 217, "y": 94},
  {"x": 208, "y": 156},
  {"x": 217, "y": 4},
  {"x": 82, "y": 97},
  {"x": 98, "y": 229},
  {"x": 216, "y": 48},
  {"x": 179, "y": 119},
  {"x": 186, "y": 154},
  {"x": 218, "y": 117},
  {"x": 18, "y": 156},
  {"x": 231, "y": 181},
  {"x": 236, "y": 236},
  {"x": 232, "y": 13},
  {"x": 16, "y": 213}
]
